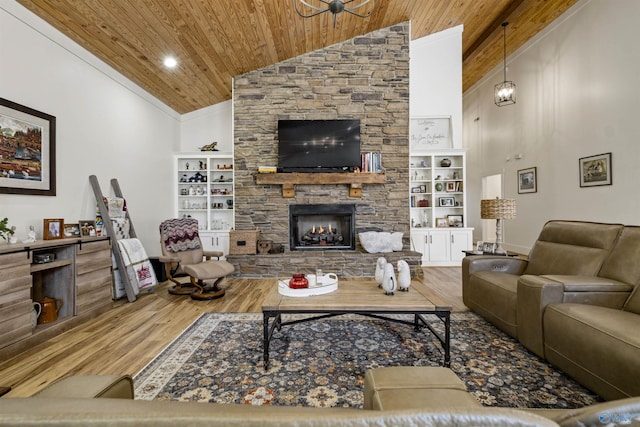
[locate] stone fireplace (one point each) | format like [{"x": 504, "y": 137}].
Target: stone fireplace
[
  {"x": 322, "y": 227},
  {"x": 365, "y": 78}
]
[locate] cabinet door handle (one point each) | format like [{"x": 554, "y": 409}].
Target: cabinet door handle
[
  {"x": 453, "y": 238},
  {"x": 430, "y": 239}
]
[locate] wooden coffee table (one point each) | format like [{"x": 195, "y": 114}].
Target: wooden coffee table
[{"x": 363, "y": 297}]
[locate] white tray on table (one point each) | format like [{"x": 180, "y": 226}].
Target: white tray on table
[{"x": 324, "y": 285}]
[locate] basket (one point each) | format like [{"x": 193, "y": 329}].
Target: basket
[{"x": 243, "y": 242}]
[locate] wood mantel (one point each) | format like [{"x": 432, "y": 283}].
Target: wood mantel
[{"x": 289, "y": 180}]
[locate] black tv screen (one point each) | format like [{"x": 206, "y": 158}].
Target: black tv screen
[{"x": 331, "y": 145}]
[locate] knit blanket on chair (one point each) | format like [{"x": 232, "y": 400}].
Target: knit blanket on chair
[
  {"x": 180, "y": 234},
  {"x": 137, "y": 264}
]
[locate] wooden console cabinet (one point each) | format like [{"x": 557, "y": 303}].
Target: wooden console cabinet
[{"x": 80, "y": 275}]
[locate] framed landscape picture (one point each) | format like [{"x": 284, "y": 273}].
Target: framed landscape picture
[
  {"x": 595, "y": 170},
  {"x": 27, "y": 150},
  {"x": 527, "y": 180}
]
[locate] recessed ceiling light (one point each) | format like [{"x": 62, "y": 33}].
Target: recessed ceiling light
[{"x": 170, "y": 62}]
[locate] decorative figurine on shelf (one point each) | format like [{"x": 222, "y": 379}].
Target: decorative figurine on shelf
[
  {"x": 379, "y": 274},
  {"x": 389, "y": 283},
  {"x": 186, "y": 166},
  {"x": 404, "y": 276},
  {"x": 203, "y": 166},
  {"x": 31, "y": 235},
  {"x": 209, "y": 147}
]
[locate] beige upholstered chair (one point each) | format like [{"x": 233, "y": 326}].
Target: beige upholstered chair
[{"x": 183, "y": 254}]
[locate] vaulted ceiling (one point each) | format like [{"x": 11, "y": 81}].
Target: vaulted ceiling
[{"x": 215, "y": 40}]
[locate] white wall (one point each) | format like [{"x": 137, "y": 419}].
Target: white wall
[
  {"x": 106, "y": 126},
  {"x": 577, "y": 94},
  {"x": 204, "y": 126},
  {"x": 435, "y": 78}
]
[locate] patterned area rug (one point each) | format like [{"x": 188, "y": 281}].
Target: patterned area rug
[{"x": 322, "y": 363}]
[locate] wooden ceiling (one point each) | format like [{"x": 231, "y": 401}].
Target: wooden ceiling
[{"x": 215, "y": 40}]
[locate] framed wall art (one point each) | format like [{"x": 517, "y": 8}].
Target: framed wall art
[
  {"x": 72, "y": 230},
  {"x": 28, "y": 149},
  {"x": 53, "y": 229},
  {"x": 430, "y": 133},
  {"x": 595, "y": 170},
  {"x": 527, "y": 180},
  {"x": 441, "y": 222},
  {"x": 446, "y": 201},
  {"x": 455, "y": 220},
  {"x": 87, "y": 227}
]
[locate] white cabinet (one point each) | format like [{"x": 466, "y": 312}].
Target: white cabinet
[
  {"x": 215, "y": 241},
  {"x": 204, "y": 190},
  {"x": 442, "y": 246},
  {"x": 437, "y": 205}
]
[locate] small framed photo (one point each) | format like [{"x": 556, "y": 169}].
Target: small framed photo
[
  {"x": 488, "y": 247},
  {"x": 446, "y": 201},
  {"x": 479, "y": 246},
  {"x": 527, "y": 180},
  {"x": 415, "y": 189},
  {"x": 441, "y": 222},
  {"x": 595, "y": 170},
  {"x": 423, "y": 188},
  {"x": 455, "y": 220},
  {"x": 87, "y": 227},
  {"x": 72, "y": 230},
  {"x": 451, "y": 186},
  {"x": 53, "y": 229}
]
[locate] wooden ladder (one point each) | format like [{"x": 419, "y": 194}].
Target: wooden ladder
[{"x": 104, "y": 213}]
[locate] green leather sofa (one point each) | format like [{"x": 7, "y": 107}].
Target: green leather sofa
[{"x": 574, "y": 301}]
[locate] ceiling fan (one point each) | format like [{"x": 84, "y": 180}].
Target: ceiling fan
[{"x": 333, "y": 6}]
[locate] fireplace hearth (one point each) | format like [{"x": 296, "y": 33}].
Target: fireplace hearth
[{"x": 322, "y": 227}]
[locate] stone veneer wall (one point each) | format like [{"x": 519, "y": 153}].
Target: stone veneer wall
[{"x": 366, "y": 78}]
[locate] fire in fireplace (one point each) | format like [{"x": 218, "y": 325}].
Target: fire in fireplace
[{"x": 320, "y": 227}]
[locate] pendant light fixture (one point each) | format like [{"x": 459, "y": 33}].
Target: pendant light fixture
[
  {"x": 505, "y": 92},
  {"x": 310, "y": 8}
]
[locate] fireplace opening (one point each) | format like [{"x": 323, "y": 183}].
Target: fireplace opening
[{"x": 322, "y": 227}]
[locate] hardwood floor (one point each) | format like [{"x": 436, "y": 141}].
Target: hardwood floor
[{"x": 125, "y": 339}]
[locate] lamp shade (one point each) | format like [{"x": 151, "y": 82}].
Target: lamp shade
[{"x": 498, "y": 209}]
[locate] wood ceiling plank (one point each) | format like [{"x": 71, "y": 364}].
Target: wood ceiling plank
[{"x": 216, "y": 40}]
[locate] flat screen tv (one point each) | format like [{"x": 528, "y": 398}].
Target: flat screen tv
[{"x": 318, "y": 145}]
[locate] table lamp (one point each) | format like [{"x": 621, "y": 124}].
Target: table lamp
[{"x": 498, "y": 209}]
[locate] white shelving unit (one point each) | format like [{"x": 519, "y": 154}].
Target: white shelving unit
[
  {"x": 437, "y": 203},
  {"x": 204, "y": 190}
]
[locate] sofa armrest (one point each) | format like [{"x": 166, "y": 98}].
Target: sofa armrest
[
  {"x": 90, "y": 386},
  {"x": 213, "y": 254},
  {"x": 535, "y": 293},
  {"x": 166, "y": 259},
  {"x": 502, "y": 264}
]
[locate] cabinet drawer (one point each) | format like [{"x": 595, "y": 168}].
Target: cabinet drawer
[
  {"x": 16, "y": 320},
  {"x": 91, "y": 300}
]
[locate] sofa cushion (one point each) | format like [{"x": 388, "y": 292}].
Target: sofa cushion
[
  {"x": 572, "y": 248},
  {"x": 598, "y": 346},
  {"x": 622, "y": 263},
  {"x": 493, "y": 295},
  {"x": 408, "y": 387},
  {"x": 91, "y": 386},
  {"x": 618, "y": 412}
]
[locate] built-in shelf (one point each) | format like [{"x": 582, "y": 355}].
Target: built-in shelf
[
  {"x": 288, "y": 181},
  {"x": 50, "y": 265}
]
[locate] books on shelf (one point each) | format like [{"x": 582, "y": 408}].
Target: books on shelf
[{"x": 371, "y": 162}]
